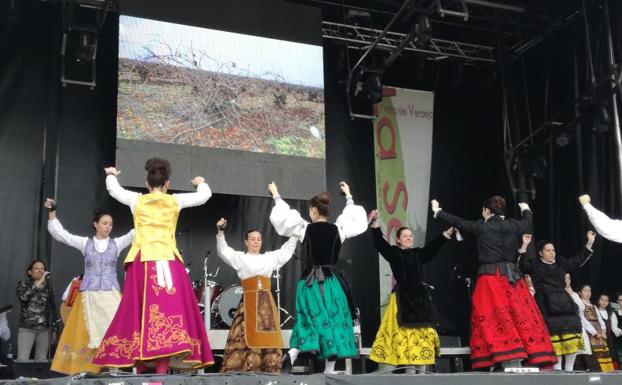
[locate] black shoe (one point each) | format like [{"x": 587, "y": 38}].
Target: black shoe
[{"x": 286, "y": 364}]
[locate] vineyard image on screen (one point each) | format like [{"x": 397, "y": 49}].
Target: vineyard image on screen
[{"x": 194, "y": 86}]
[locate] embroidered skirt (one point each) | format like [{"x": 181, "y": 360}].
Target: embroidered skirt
[
  {"x": 506, "y": 324},
  {"x": 72, "y": 353},
  {"x": 155, "y": 322},
  {"x": 395, "y": 345},
  {"x": 323, "y": 323},
  {"x": 568, "y": 343}
]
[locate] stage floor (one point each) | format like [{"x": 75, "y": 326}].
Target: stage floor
[{"x": 545, "y": 378}]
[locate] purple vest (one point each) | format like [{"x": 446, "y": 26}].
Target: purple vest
[{"x": 100, "y": 269}]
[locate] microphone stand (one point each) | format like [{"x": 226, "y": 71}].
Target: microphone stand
[
  {"x": 208, "y": 285},
  {"x": 277, "y": 276}
]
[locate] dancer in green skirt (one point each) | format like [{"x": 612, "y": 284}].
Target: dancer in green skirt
[{"x": 323, "y": 324}]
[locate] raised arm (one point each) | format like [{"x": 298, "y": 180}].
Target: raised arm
[
  {"x": 353, "y": 219},
  {"x": 525, "y": 223},
  {"x": 472, "y": 227},
  {"x": 202, "y": 195},
  {"x": 526, "y": 255},
  {"x": 115, "y": 190},
  {"x": 431, "y": 249},
  {"x": 284, "y": 253},
  {"x": 226, "y": 253},
  {"x": 584, "y": 255},
  {"x": 605, "y": 226},
  {"x": 286, "y": 221},
  {"x": 125, "y": 240},
  {"x": 56, "y": 230}
]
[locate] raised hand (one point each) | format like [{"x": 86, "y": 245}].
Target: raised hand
[
  {"x": 372, "y": 218},
  {"x": 449, "y": 232},
  {"x": 112, "y": 171},
  {"x": 197, "y": 180},
  {"x": 221, "y": 224},
  {"x": 49, "y": 203},
  {"x": 523, "y": 206},
  {"x": 345, "y": 189},
  {"x": 527, "y": 239},
  {"x": 584, "y": 199},
  {"x": 591, "y": 237},
  {"x": 274, "y": 191},
  {"x": 435, "y": 205}
]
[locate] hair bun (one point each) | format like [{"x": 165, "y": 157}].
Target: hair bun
[{"x": 324, "y": 198}]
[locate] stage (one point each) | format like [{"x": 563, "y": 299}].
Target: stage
[{"x": 361, "y": 379}]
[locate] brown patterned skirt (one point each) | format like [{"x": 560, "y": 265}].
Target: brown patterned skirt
[{"x": 239, "y": 357}]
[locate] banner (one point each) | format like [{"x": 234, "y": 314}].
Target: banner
[{"x": 403, "y": 156}]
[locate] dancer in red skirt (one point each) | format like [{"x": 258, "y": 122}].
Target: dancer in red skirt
[
  {"x": 506, "y": 324},
  {"x": 158, "y": 320}
]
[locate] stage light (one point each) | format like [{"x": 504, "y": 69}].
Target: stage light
[
  {"x": 532, "y": 161},
  {"x": 423, "y": 31},
  {"x": 368, "y": 85}
]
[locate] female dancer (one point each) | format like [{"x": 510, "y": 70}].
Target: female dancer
[
  {"x": 506, "y": 324},
  {"x": 158, "y": 318},
  {"x": 99, "y": 295},
  {"x": 254, "y": 343},
  {"x": 407, "y": 334},
  {"x": 548, "y": 274},
  {"x": 323, "y": 316},
  {"x": 600, "y": 359}
]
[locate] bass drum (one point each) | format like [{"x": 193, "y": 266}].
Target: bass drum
[
  {"x": 225, "y": 306},
  {"x": 199, "y": 291}
]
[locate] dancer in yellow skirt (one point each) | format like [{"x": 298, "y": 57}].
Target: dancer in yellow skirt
[
  {"x": 407, "y": 334},
  {"x": 99, "y": 295}
]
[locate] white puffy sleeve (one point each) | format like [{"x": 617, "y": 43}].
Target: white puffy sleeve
[
  {"x": 605, "y": 226},
  {"x": 124, "y": 241},
  {"x": 57, "y": 232},
  {"x": 5, "y": 332},
  {"x": 124, "y": 196},
  {"x": 226, "y": 253},
  {"x": 352, "y": 221},
  {"x": 281, "y": 256},
  {"x": 197, "y": 198},
  {"x": 286, "y": 221}
]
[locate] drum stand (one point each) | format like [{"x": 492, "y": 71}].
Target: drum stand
[
  {"x": 277, "y": 276},
  {"x": 207, "y": 292}
]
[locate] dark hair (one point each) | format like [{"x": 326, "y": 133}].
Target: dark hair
[
  {"x": 249, "y": 232},
  {"x": 605, "y": 294},
  {"x": 99, "y": 213},
  {"x": 322, "y": 203},
  {"x": 584, "y": 286},
  {"x": 496, "y": 205},
  {"x": 399, "y": 231},
  {"x": 158, "y": 171},
  {"x": 543, "y": 243},
  {"x": 45, "y": 266}
]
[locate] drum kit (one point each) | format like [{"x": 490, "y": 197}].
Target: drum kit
[{"x": 218, "y": 306}]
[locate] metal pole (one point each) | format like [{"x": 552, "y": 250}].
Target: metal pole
[{"x": 614, "y": 96}]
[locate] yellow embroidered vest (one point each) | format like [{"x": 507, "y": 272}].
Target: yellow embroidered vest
[{"x": 155, "y": 221}]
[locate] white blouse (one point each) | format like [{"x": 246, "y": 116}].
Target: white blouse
[
  {"x": 288, "y": 222},
  {"x": 60, "y": 234},
  {"x": 250, "y": 265},
  {"x": 128, "y": 198},
  {"x": 605, "y": 226}
]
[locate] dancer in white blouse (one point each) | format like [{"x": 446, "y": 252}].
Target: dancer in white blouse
[
  {"x": 99, "y": 294},
  {"x": 324, "y": 325},
  {"x": 605, "y": 226},
  {"x": 254, "y": 343}
]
